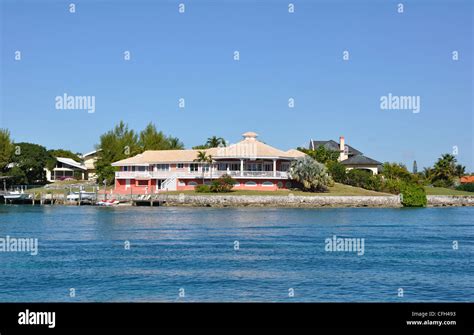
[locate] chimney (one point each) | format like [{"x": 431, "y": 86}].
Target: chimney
[{"x": 342, "y": 149}]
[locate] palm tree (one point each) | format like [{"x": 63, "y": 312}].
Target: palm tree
[
  {"x": 311, "y": 174},
  {"x": 445, "y": 168},
  {"x": 214, "y": 142},
  {"x": 460, "y": 170},
  {"x": 174, "y": 143},
  {"x": 204, "y": 158}
]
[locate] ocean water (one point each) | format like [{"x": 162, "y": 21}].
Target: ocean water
[{"x": 280, "y": 252}]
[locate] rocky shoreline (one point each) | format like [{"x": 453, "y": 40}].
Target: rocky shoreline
[{"x": 292, "y": 201}]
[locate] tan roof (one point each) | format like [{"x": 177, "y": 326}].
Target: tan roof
[
  {"x": 295, "y": 153},
  {"x": 249, "y": 147},
  {"x": 162, "y": 156}
]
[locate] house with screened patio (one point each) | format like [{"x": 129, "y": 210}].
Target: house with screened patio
[{"x": 253, "y": 164}]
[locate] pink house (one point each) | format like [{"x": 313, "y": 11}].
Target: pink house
[{"x": 253, "y": 164}]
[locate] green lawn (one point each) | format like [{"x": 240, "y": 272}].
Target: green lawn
[
  {"x": 337, "y": 189},
  {"x": 445, "y": 191}
]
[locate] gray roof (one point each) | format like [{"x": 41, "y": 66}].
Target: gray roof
[
  {"x": 333, "y": 145},
  {"x": 360, "y": 160}
]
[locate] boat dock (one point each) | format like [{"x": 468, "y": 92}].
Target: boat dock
[{"x": 150, "y": 200}]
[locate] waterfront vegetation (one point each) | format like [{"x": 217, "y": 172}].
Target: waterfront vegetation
[
  {"x": 122, "y": 142},
  {"x": 319, "y": 173},
  {"x": 395, "y": 178},
  {"x": 335, "y": 190},
  {"x": 311, "y": 175},
  {"x": 431, "y": 190}
]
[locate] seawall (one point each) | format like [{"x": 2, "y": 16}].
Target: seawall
[
  {"x": 280, "y": 201},
  {"x": 449, "y": 200}
]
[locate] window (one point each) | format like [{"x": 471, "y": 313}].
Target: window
[
  {"x": 222, "y": 167},
  {"x": 267, "y": 183},
  {"x": 235, "y": 167},
  {"x": 180, "y": 166},
  {"x": 181, "y": 183},
  {"x": 254, "y": 167},
  {"x": 236, "y": 183},
  {"x": 142, "y": 182},
  {"x": 162, "y": 167},
  {"x": 288, "y": 184},
  {"x": 193, "y": 167},
  {"x": 285, "y": 166},
  {"x": 280, "y": 184},
  {"x": 192, "y": 183},
  {"x": 125, "y": 168},
  {"x": 250, "y": 183},
  {"x": 268, "y": 167}
]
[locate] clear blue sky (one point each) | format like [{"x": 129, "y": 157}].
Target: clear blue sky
[{"x": 282, "y": 55}]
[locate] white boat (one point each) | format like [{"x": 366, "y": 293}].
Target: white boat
[
  {"x": 83, "y": 195},
  {"x": 17, "y": 195},
  {"x": 107, "y": 203}
]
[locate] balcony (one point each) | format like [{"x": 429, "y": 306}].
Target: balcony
[{"x": 198, "y": 174}]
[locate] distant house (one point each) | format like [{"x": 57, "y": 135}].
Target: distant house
[
  {"x": 89, "y": 160},
  {"x": 467, "y": 179},
  {"x": 348, "y": 156},
  {"x": 66, "y": 168}
]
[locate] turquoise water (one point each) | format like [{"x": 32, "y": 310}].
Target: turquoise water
[{"x": 279, "y": 249}]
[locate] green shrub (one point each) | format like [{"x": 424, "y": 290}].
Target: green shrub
[
  {"x": 222, "y": 184},
  {"x": 393, "y": 186},
  {"x": 375, "y": 183},
  {"x": 396, "y": 171},
  {"x": 468, "y": 187},
  {"x": 358, "y": 178},
  {"x": 202, "y": 188},
  {"x": 337, "y": 171},
  {"x": 443, "y": 183},
  {"x": 413, "y": 195},
  {"x": 310, "y": 175}
]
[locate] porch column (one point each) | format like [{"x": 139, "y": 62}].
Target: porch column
[
  {"x": 274, "y": 168},
  {"x": 241, "y": 167}
]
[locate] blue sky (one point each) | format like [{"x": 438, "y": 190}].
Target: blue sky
[{"x": 283, "y": 55}]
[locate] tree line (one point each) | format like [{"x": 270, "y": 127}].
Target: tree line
[{"x": 24, "y": 163}]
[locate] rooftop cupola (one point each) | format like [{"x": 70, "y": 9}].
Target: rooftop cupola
[{"x": 250, "y": 135}]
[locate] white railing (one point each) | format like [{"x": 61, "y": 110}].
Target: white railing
[
  {"x": 169, "y": 184},
  {"x": 199, "y": 174}
]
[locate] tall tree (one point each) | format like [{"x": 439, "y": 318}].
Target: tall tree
[
  {"x": 118, "y": 143},
  {"x": 214, "y": 142},
  {"x": 396, "y": 171},
  {"x": 205, "y": 160},
  {"x": 152, "y": 139},
  {"x": 460, "y": 170},
  {"x": 30, "y": 161},
  {"x": 444, "y": 170},
  {"x": 415, "y": 167},
  {"x": 6, "y": 149},
  {"x": 174, "y": 143},
  {"x": 321, "y": 154},
  {"x": 64, "y": 153}
]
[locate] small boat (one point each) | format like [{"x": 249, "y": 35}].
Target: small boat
[
  {"x": 108, "y": 203},
  {"x": 17, "y": 195},
  {"x": 83, "y": 195}
]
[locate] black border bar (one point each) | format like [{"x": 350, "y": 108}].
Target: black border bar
[{"x": 243, "y": 315}]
